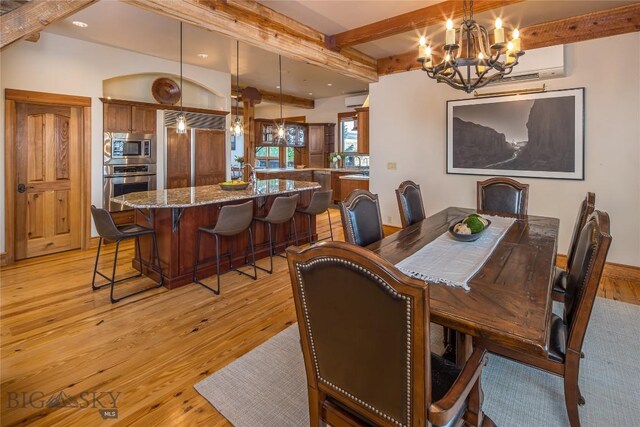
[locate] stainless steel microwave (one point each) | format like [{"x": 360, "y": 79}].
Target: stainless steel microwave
[{"x": 129, "y": 148}]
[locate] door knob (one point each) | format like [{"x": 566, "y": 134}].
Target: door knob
[{"x": 22, "y": 188}]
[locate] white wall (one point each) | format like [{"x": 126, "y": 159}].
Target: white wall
[
  {"x": 63, "y": 65},
  {"x": 408, "y": 126}
]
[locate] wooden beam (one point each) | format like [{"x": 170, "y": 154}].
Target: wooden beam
[
  {"x": 34, "y": 16},
  {"x": 415, "y": 20},
  {"x": 287, "y": 99},
  {"x": 257, "y": 25},
  {"x": 610, "y": 22}
]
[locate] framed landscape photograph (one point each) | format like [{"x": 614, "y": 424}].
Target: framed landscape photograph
[{"x": 539, "y": 135}]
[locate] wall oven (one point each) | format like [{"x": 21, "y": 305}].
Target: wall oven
[
  {"x": 129, "y": 148},
  {"x": 125, "y": 179}
]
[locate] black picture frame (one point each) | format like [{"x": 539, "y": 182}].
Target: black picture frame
[{"x": 535, "y": 135}]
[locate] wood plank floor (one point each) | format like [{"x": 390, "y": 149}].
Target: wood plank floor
[{"x": 59, "y": 336}]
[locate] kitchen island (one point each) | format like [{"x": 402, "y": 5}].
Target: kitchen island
[{"x": 176, "y": 214}]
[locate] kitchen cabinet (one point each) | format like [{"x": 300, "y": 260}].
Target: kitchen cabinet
[
  {"x": 335, "y": 185},
  {"x": 129, "y": 118},
  {"x": 321, "y": 143},
  {"x": 123, "y": 217},
  {"x": 295, "y": 134},
  {"x": 363, "y": 130},
  {"x": 348, "y": 185}
]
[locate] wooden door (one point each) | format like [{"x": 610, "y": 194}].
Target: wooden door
[
  {"x": 48, "y": 177},
  {"x": 178, "y": 159},
  {"x": 143, "y": 119},
  {"x": 210, "y": 153},
  {"x": 117, "y": 118}
]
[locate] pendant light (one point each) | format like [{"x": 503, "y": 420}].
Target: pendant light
[
  {"x": 280, "y": 130},
  {"x": 181, "y": 124},
  {"x": 236, "y": 127}
]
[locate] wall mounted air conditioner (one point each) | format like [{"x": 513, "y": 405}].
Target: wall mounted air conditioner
[
  {"x": 537, "y": 64},
  {"x": 354, "y": 101}
]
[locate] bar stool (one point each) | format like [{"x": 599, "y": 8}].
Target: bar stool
[
  {"x": 232, "y": 220},
  {"x": 109, "y": 231},
  {"x": 282, "y": 210},
  {"x": 319, "y": 204}
]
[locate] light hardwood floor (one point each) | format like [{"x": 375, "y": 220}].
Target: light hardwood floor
[{"x": 57, "y": 335}]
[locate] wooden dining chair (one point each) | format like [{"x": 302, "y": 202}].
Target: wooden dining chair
[
  {"x": 410, "y": 203},
  {"x": 361, "y": 219},
  {"x": 567, "y": 335},
  {"x": 503, "y": 195},
  {"x": 369, "y": 363},
  {"x": 560, "y": 274}
]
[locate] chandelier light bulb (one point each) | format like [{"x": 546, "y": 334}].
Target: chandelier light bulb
[
  {"x": 498, "y": 33},
  {"x": 481, "y": 56},
  {"x": 280, "y": 131},
  {"x": 428, "y": 50},
  {"x": 516, "y": 34},
  {"x": 423, "y": 41},
  {"x": 449, "y": 24}
]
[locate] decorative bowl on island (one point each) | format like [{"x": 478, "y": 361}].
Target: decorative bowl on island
[
  {"x": 470, "y": 229},
  {"x": 234, "y": 185}
]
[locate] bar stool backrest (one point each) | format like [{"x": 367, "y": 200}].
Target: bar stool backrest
[
  {"x": 104, "y": 223},
  {"x": 282, "y": 209},
  {"x": 234, "y": 219},
  {"x": 319, "y": 202}
]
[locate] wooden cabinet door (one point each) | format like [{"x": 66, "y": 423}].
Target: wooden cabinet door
[
  {"x": 48, "y": 174},
  {"x": 316, "y": 139},
  {"x": 117, "y": 118},
  {"x": 143, "y": 119},
  {"x": 178, "y": 159},
  {"x": 210, "y": 153},
  {"x": 363, "y": 130}
]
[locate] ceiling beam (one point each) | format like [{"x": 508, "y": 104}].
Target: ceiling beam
[
  {"x": 610, "y": 22},
  {"x": 287, "y": 99},
  {"x": 34, "y": 16},
  {"x": 257, "y": 25},
  {"x": 415, "y": 20}
]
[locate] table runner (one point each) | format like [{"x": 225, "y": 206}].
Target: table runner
[{"x": 449, "y": 261}]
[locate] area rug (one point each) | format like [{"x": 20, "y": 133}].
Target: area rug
[{"x": 267, "y": 386}]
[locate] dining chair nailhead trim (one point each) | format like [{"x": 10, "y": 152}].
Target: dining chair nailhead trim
[{"x": 389, "y": 289}]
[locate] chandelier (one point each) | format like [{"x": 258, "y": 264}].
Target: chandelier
[{"x": 472, "y": 62}]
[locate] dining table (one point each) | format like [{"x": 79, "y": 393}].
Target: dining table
[{"x": 509, "y": 298}]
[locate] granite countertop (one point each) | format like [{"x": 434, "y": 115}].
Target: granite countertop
[
  {"x": 209, "y": 194},
  {"x": 356, "y": 177},
  {"x": 278, "y": 170}
]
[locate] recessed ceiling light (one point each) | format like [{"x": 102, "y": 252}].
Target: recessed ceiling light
[
  {"x": 310, "y": 93},
  {"x": 277, "y": 87},
  {"x": 80, "y": 24},
  {"x": 329, "y": 84},
  {"x": 203, "y": 55}
]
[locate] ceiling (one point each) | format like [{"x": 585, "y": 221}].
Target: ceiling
[{"x": 117, "y": 24}]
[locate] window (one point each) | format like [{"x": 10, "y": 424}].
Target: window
[
  {"x": 267, "y": 157},
  {"x": 348, "y": 132},
  {"x": 290, "y": 156}
]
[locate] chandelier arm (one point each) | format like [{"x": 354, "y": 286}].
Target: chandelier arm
[{"x": 450, "y": 82}]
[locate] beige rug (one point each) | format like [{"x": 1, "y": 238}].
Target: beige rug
[{"x": 267, "y": 386}]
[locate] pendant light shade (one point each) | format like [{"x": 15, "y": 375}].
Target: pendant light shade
[
  {"x": 236, "y": 126},
  {"x": 181, "y": 124}
]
